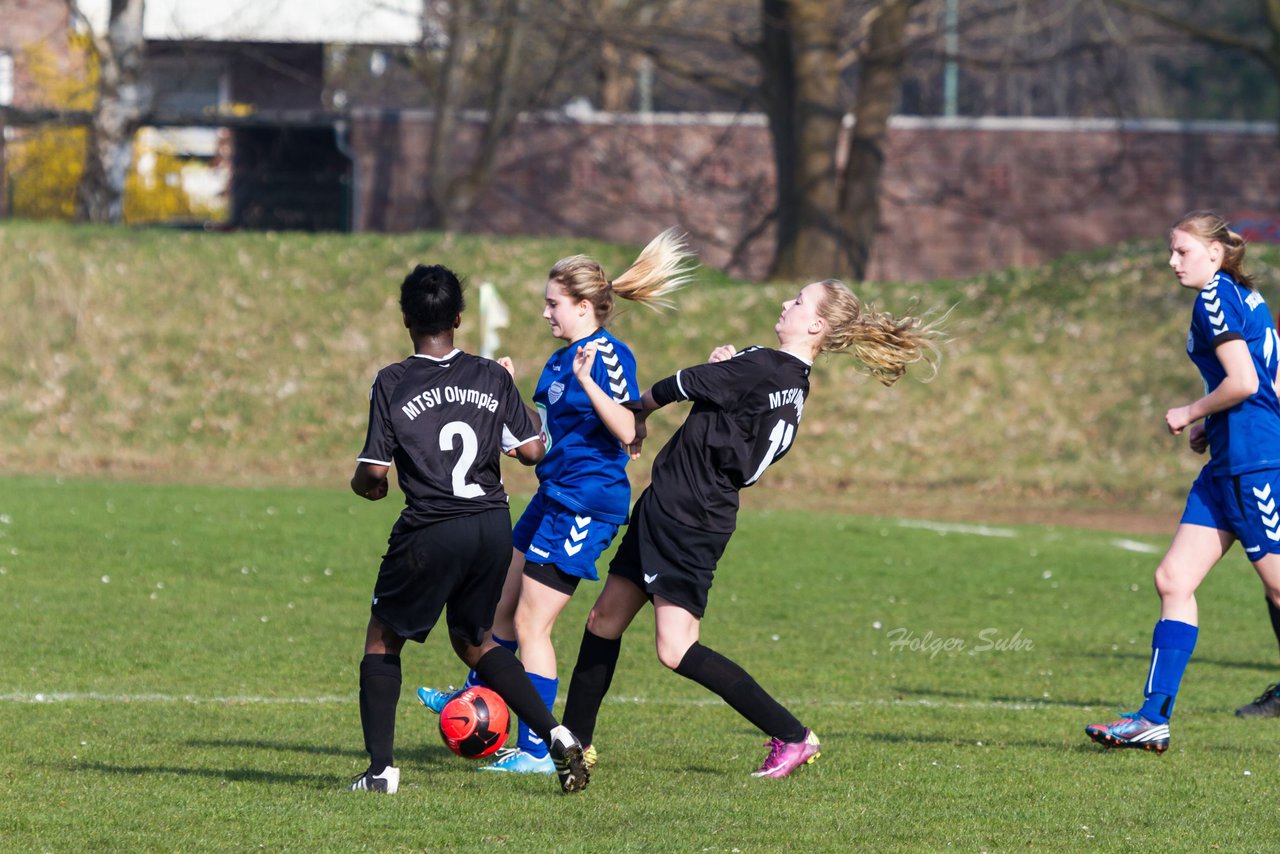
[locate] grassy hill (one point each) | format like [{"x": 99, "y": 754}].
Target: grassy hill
[{"x": 246, "y": 359}]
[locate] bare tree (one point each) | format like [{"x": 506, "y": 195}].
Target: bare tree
[
  {"x": 828, "y": 212},
  {"x": 800, "y": 64},
  {"x": 117, "y": 114},
  {"x": 858, "y": 207},
  {"x": 1203, "y": 23},
  {"x": 800, "y": 55},
  {"x": 493, "y": 59}
]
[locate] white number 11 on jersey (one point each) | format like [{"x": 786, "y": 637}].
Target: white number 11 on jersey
[{"x": 780, "y": 439}]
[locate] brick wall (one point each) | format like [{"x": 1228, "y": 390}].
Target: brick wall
[
  {"x": 28, "y": 23},
  {"x": 964, "y": 197},
  {"x": 960, "y": 196}
]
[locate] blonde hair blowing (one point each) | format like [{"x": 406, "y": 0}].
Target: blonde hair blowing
[
  {"x": 1208, "y": 227},
  {"x": 883, "y": 343},
  {"x": 661, "y": 268}
]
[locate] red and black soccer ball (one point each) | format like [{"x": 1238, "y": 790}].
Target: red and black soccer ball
[{"x": 474, "y": 723}]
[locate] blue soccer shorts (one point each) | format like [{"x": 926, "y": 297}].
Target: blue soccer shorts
[
  {"x": 1246, "y": 505},
  {"x": 549, "y": 532}
]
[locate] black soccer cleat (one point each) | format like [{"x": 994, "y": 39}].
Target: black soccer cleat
[
  {"x": 571, "y": 765},
  {"x": 1267, "y": 705}
]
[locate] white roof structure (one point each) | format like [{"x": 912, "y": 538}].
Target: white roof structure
[{"x": 322, "y": 21}]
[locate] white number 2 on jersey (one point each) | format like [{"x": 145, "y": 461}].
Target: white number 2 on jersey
[
  {"x": 461, "y": 430},
  {"x": 780, "y": 438}
]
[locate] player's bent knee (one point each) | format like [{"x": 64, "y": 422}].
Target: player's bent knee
[
  {"x": 671, "y": 654},
  {"x": 671, "y": 662},
  {"x": 593, "y": 622},
  {"x": 602, "y": 624}
]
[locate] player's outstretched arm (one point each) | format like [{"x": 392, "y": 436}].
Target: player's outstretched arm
[
  {"x": 510, "y": 367},
  {"x": 370, "y": 481},
  {"x": 614, "y": 415},
  {"x": 640, "y": 410}
]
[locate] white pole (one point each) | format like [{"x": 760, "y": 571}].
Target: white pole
[
  {"x": 493, "y": 316},
  {"x": 951, "y": 72}
]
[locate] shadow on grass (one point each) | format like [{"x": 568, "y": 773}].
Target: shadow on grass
[
  {"x": 975, "y": 741},
  {"x": 274, "y": 747},
  {"x": 1145, "y": 657},
  {"x": 422, "y": 758},
  {"x": 1072, "y": 741},
  {"x": 234, "y": 775},
  {"x": 420, "y": 754},
  {"x": 925, "y": 694}
]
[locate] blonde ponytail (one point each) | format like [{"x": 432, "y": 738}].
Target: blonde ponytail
[
  {"x": 885, "y": 345},
  {"x": 661, "y": 268}
]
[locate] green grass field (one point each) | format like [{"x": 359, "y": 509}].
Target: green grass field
[{"x": 179, "y": 673}]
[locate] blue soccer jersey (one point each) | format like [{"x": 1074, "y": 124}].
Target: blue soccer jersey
[
  {"x": 1245, "y": 437},
  {"x": 585, "y": 465}
]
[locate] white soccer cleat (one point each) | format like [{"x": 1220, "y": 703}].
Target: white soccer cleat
[{"x": 387, "y": 782}]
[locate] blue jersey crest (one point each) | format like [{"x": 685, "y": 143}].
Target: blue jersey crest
[
  {"x": 1245, "y": 437},
  {"x": 585, "y": 465}
]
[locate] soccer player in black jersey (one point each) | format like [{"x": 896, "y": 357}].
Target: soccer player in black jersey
[
  {"x": 745, "y": 416},
  {"x": 444, "y": 418}
]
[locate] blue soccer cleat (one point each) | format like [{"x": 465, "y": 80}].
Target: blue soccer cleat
[
  {"x": 1131, "y": 730},
  {"x": 436, "y": 700},
  {"x": 513, "y": 760}
]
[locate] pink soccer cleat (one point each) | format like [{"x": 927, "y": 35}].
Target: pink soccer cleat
[{"x": 784, "y": 758}]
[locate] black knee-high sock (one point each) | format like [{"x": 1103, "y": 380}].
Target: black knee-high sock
[
  {"x": 1274, "y": 613},
  {"x": 379, "y": 693},
  {"x": 735, "y": 686},
  {"x": 503, "y": 672},
  {"x": 597, "y": 660}
]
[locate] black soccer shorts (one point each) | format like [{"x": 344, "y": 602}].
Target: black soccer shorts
[
  {"x": 459, "y": 564},
  {"x": 666, "y": 558}
]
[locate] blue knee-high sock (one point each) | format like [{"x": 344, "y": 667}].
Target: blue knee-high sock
[
  {"x": 473, "y": 678},
  {"x": 526, "y": 740},
  {"x": 1172, "y": 643}
]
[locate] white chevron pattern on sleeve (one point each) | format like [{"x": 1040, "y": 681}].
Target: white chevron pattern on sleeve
[
  {"x": 613, "y": 366},
  {"x": 1213, "y": 306}
]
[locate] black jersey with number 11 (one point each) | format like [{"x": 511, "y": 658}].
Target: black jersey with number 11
[
  {"x": 746, "y": 411},
  {"x": 445, "y": 424}
]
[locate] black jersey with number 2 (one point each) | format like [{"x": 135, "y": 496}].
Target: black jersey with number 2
[
  {"x": 746, "y": 411},
  {"x": 445, "y": 424}
]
